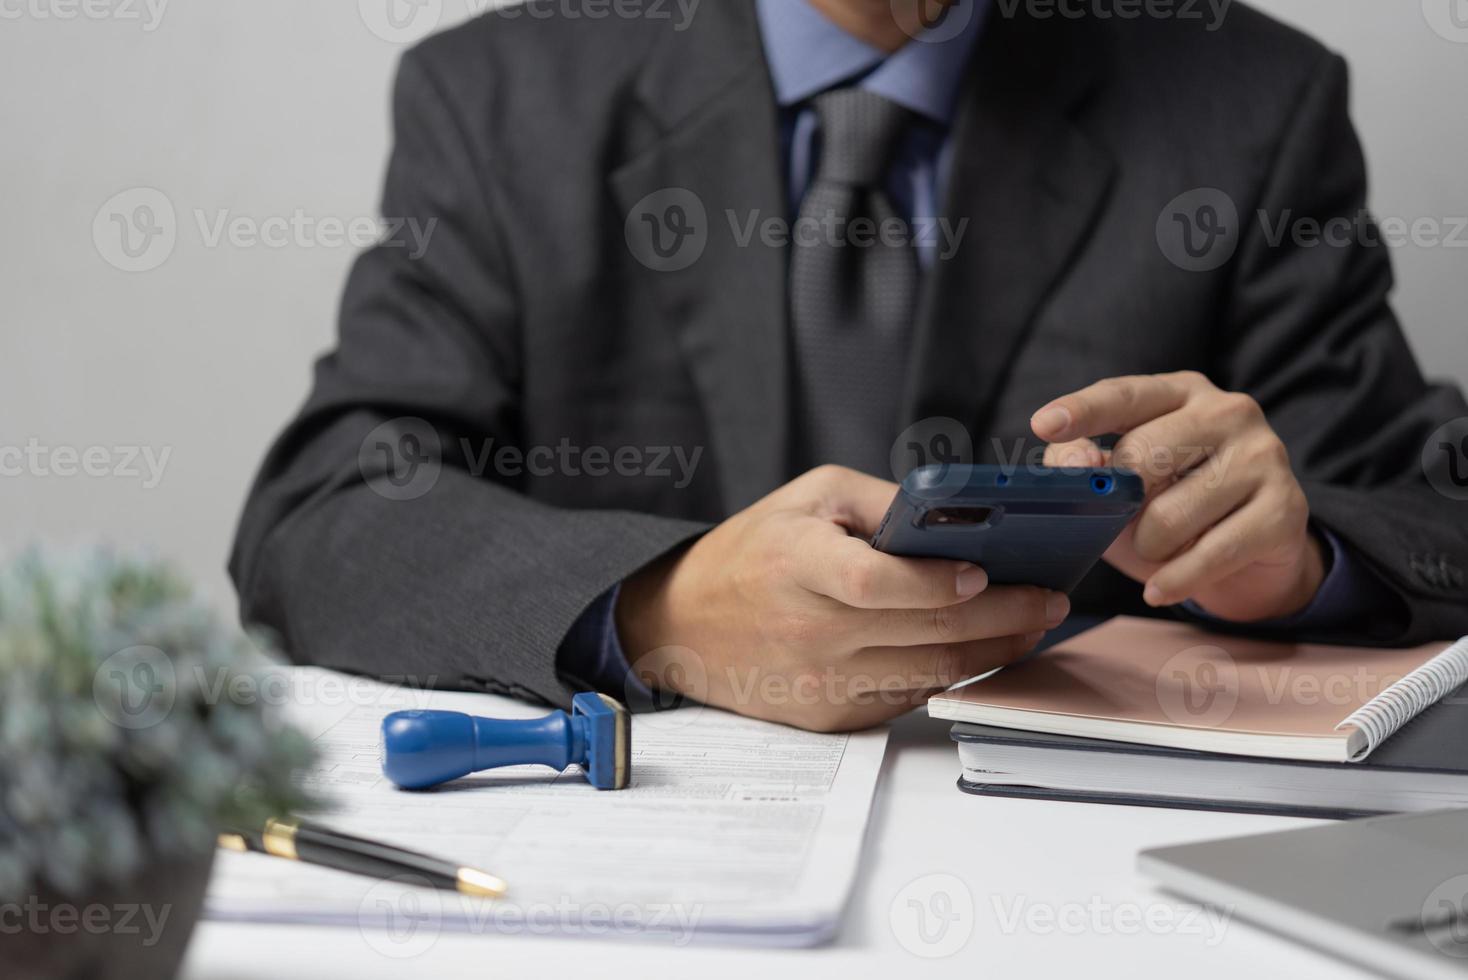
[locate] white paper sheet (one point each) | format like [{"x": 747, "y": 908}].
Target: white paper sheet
[{"x": 732, "y": 830}]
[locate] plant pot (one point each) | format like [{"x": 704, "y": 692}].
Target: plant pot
[{"x": 137, "y": 930}]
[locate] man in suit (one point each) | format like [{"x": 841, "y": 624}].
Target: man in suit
[{"x": 692, "y": 290}]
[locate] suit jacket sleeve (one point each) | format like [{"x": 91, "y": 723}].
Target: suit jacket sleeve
[
  {"x": 376, "y": 539},
  {"x": 1312, "y": 337}
]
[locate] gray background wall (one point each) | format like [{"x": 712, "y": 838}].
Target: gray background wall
[{"x": 275, "y": 108}]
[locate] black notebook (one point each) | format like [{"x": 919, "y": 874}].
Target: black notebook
[{"x": 1424, "y": 766}]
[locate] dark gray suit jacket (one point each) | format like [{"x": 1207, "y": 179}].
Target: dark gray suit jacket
[{"x": 530, "y": 322}]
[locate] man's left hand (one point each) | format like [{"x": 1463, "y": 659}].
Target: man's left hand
[{"x": 1225, "y": 523}]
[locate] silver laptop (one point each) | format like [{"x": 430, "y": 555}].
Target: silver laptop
[{"x": 1390, "y": 893}]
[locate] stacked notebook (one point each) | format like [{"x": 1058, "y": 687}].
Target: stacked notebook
[{"x": 1159, "y": 713}]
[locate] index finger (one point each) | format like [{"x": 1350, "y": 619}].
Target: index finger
[
  {"x": 855, "y": 574},
  {"x": 1114, "y": 405}
]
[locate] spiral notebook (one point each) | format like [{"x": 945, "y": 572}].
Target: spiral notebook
[{"x": 1172, "y": 685}]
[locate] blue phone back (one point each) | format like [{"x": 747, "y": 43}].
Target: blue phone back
[{"x": 1044, "y": 527}]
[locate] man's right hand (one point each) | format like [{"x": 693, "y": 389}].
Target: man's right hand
[{"x": 793, "y": 617}]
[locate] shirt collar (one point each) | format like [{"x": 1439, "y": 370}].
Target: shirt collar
[{"x": 808, "y": 54}]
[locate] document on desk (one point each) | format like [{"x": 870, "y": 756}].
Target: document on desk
[{"x": 732, "y": 830}]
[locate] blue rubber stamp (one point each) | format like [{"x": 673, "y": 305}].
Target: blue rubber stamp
[{"x": 426, "y": 748}]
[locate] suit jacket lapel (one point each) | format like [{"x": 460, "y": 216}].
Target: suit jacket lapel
[
  {"x": 1029, "y": 183},
  {"x": 717, "y": 139},
  {"x": 1025, "y": 176}
]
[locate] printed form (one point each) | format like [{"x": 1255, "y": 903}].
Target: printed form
[{"x": 732, "y": 830}]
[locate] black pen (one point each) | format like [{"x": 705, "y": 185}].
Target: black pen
[{"x": 312, "y": 844}]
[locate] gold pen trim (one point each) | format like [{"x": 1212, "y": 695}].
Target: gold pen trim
[
  {"x": 233, "y": 842},
  {"x": 480, "y": 884},
  {"x": 279, "y": 839}
]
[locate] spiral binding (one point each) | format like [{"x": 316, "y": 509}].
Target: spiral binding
[{"x": 1382, "y": 716}]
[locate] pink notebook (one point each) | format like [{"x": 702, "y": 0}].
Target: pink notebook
[{"x": 1164, "y": 683}]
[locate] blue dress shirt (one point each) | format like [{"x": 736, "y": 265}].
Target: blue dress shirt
[{"x": 808, "y": 54}]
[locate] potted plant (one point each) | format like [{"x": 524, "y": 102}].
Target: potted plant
[{"x": 126, "y": 744}]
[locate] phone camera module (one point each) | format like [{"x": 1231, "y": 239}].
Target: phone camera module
[{"x": 957, "y": 516}]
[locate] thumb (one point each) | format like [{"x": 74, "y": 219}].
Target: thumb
[
  {"x": 1077, "y": 452},
  {"x": 854, "y": 500}
]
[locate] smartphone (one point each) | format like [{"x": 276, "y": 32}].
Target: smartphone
[{"x": 1024, "y": 526}]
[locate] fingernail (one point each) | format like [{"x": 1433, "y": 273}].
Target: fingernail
[
  {"x": 1051, "y": 423},
  {"x": 1057, "y": 607},
  {"x": 1152, "y": 595},
  {"x": 972, "y": 581}
]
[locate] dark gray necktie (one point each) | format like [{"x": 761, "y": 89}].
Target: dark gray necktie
[{"x": 851, "y": 305}]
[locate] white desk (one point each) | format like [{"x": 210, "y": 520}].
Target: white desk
[{"x": 1053, "y": 891}]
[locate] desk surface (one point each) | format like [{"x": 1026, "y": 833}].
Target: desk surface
[{"x": 1045, "y": 889}]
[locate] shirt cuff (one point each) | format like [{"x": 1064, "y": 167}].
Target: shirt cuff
[
  {"x": 592, "y": 656},
  {"x": 1346, "y": 595}
]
